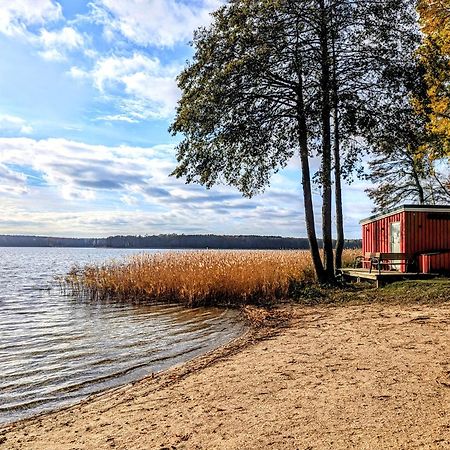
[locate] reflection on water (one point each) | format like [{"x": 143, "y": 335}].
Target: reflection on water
[{"x": 55, "y": 350}]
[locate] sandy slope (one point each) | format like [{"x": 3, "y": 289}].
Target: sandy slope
[{"x": 365, "y": 377}]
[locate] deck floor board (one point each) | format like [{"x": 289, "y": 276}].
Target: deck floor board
[{"x": 383, "y": 277}]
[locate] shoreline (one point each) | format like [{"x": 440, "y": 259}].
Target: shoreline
[
  {"x": 256, "y": 326},
  {"x": 350, "y": 376},
  {"x": 222, "y": 327}
]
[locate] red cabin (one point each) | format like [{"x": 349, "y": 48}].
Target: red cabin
[{"x": 421, "y": 232}]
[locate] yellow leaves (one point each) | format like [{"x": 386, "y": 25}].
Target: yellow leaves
[{"x": 435, "y": 56}]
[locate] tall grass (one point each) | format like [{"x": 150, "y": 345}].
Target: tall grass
[{"x": 197, "y": 278}]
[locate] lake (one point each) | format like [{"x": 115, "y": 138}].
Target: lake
[{"x": 56, "y": 349}]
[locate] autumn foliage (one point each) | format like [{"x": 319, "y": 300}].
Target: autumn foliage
[{"x": 435, "y": 56}]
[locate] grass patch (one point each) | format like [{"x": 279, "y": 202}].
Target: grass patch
[
  {"x": 418, "y": 291},
  {"x": 407, "y": 292}
]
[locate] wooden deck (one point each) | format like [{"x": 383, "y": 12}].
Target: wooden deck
[{"x": 385, "y": 277}]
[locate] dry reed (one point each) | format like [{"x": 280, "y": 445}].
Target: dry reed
[{"x": 198, "y": 278}]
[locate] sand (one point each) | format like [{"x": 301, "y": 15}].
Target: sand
[{"x": 364, "y": 377}]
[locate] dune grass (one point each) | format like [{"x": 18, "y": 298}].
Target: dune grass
[{"x": 198, "y": 278}]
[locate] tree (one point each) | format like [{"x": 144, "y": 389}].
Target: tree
[
  {"x": 435, "y": 55},
  {"x": 408, "y": 164},
  {"x": 405, "y": 175},
  {"x": 246, "y": 104},
  {"x": 364, "y": 48},
  {"x": 273, "y": 77},
  {"x": 402, "y": 171}
]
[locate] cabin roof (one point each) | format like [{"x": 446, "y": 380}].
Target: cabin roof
[{"x": 409, "y": 208}]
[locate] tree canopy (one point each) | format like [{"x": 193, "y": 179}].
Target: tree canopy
[
  {"x": 410, "y": 140},
  {"x": 273, "y": 78}
]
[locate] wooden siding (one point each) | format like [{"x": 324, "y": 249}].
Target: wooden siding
[
  {"x": 376, "y": 235},
  {"x": 423, "y": 234},
  {"x": 429, "y": 232}
]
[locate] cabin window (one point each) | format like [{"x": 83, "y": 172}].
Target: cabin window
[{"x": 395, "y": 237}]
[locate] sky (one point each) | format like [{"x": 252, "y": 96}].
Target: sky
[{"x": 87, "y": 93}]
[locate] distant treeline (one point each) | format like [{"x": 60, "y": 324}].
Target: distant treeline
[{"x": 167, "y": 241}]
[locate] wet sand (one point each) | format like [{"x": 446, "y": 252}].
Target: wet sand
[{"x": 363, "y": 377}]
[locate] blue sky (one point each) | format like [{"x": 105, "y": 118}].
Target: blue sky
[{"x": 87, "y": 93}]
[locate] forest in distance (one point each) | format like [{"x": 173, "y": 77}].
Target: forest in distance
[{"x": 168, "y": 241}]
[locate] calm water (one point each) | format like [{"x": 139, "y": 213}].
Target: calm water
[{"x": 55, "y": 349}]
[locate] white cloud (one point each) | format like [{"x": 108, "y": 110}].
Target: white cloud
[
  {"x": 20, "y": 18},
  {"x": 55, "y": 44},
  {"x": 129, "y": 199},
  {"x": 119, "y": 118},
  {"x": 13, "y": 124},
  {"x": 12, "y": 182},
  {"x": 131, "y": 177},
  {"x": 153, "y": 22},
  {"x": 67, "y": 37},
  {"x": 76, "y": 72},
  {"x": 17, "y": 15},
  {"x": 141, "y": 86},
  {"x": 79, "y": 170},
  {"x": 52, "y": 55},
  {"x": 128, "y": 190},
  {"x": 95, "y": 223}
]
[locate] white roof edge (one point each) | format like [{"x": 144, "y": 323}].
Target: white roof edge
[
  {"x": 404, "y": 209},
  {"x": 381, "y": 216}
]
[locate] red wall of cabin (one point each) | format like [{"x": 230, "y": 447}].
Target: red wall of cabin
[
  {"x": 376, "y": 234},
  {"x": 419, "y": 234},
  {"x": 425, "y": 234}
]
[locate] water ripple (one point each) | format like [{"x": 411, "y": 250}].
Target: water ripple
[{"x": 55, "y": 350}]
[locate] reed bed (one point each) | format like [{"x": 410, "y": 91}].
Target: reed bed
[{"x": 197, "y": 278}]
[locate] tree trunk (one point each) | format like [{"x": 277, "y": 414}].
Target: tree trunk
[
  {"x": 309, "y": 210},
  {"x": 306, "y": 185},
  {"x": 327, "y": 233},
  {"x": 418, "y": 184},
  {"x": 338, "y": 193},
  {"x": 340, "y": 238}
]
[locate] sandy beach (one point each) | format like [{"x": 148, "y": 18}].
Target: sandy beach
[{"x": 364, "y": 376}]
